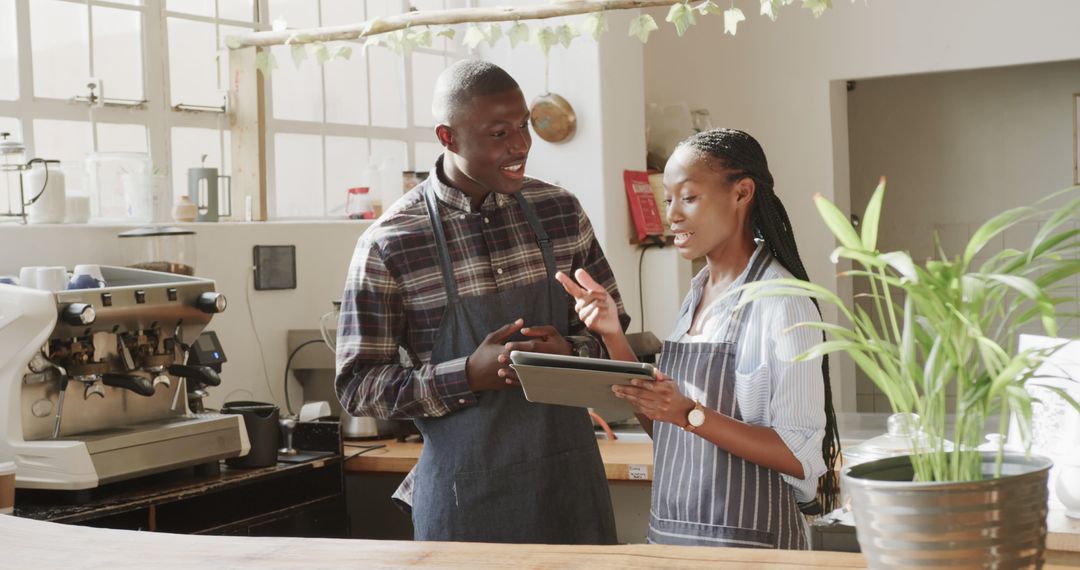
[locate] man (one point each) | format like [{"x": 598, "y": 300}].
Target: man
[{"x": 457, "y": 273}]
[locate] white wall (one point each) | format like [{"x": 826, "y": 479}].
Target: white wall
[
  {"x": 224, "y": 253},
  {"x": 776, "y": 80}
]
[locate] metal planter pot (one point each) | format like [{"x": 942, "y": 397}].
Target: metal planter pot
[{"x": 993, "y": 523}]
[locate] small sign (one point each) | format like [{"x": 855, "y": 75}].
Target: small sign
[{"x": 639, "y": 473}]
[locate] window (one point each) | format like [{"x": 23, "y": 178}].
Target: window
[
  {"x": 350, "y": 122},
  {"x": 162, "y": 70}
]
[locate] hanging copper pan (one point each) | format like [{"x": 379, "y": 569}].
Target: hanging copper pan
[{"x": 553, "y": 118}]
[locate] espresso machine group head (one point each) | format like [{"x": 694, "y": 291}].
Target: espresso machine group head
[{"x": 94, "y": 383}]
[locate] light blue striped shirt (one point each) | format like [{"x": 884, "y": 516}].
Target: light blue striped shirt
[{"x": 771, "y": 389}]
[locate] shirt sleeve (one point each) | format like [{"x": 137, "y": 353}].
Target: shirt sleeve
[
  {"x": 590, "y": 256},
  {"x": 371, "y": 380},
  {"x": 797, "y": 408}
]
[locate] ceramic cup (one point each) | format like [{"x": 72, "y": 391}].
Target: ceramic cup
[
  {"x": 86, "y": 277},
  {"x": 52, "y": 278},
  {"x": 28, "y": 276}
]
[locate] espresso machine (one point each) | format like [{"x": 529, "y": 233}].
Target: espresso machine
[{"x": 95, "y": 383}]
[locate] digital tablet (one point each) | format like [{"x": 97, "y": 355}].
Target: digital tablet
[{"x": 576, "y": 381}]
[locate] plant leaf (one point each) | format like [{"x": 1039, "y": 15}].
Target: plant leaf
[
  {"x": 473, "y": 36},
  {"x": 709, "y": 7},
  {"x": 818, "y": 7},
  {"x": 902, "y": 263},
  {"x": 545, "y": 38},
  {"x": 682, "y": 15},
  {"x": 732, "y": 17},
  {"x": 265, "y": 62},
  {"x": 447, "y": 33},
  {"x": 343, "y": 52},
  {"x": 996, "y": 225},
  {"x": 770, "y": 8},
  {"x": 838, "y": 223},
  {"x": 494, "y": 33},
  {"x": 518, "y": 33},
  {"x": 595, "y": 24},
  {"x": 566, "y": 33},
  {"x": 642, "y": 26},
  {"x": 299, "y": 54},
  {"x": 232, "y": 42},
  {"x": 319, "y": 50},
  {"x": 872, "y": 216}
]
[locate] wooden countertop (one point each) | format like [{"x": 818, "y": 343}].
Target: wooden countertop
[
  {"x": 37, "y": 544},
  {"x": 624, "y": 461},
  {"x": 631, "y": 463}
]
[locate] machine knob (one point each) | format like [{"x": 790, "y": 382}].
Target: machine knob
[
  {"x": 211, "y": 302},
  {"x": 78, "y": 314}
]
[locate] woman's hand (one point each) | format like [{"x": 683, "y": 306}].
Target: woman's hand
[
  {"x": 658, "y": 400},
  {"x": 593, "y": 304}
]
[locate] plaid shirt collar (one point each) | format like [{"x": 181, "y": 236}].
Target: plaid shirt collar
[{"x": 458, "y": 200}]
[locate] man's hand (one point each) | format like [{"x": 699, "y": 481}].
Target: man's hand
[
  {"x": 543, "y": 338},
  {"x": 486, "y": 368}
]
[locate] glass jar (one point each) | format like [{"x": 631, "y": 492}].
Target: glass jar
[
  {"x": 120, "y": 187},
  {"x": 902, "y": 436},
  {"x": 160, "y": 248},
  {"x": 358, "y": 204}
]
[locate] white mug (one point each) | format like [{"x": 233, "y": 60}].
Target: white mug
[
  {"x": 28, "y": 276},
  {"x": 92, "y": 279},
  {"x": 52, "y": 278}
]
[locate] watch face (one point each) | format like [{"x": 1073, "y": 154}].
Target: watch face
[{"x": 696, "y": 417}]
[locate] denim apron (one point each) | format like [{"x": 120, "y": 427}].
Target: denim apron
[
  {"x": 506, "y": 469},
  {"x": 703, "y": 495}
]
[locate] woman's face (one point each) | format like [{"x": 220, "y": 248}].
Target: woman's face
[{"x": 706, "y": 212}]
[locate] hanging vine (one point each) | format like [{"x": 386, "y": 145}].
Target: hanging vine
[{"x": 414, "y": 29}]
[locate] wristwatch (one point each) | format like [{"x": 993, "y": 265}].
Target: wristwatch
[{"x": 696, "y": 417}]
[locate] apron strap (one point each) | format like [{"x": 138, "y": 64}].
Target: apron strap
[
  {"x": 738, "y": 317},
  {"x": 541, "y": 236},
  {"x": 440, "y": 245}
]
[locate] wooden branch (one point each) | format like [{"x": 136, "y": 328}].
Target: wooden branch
[{"x": 389, "y": 24}]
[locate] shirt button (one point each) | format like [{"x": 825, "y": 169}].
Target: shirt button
[
  {"x": 499, "y": 271},
  {"x": 487, "y": 220},
  {"x": 461, "y": 400}
]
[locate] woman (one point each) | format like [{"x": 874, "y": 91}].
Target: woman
[{"x": 742, "y": 433}]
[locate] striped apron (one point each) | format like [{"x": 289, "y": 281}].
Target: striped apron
[{"x": 703, "y": 495}]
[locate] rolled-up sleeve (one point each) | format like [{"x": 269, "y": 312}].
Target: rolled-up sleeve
[
  {"x": 797, "y": 408},
  {"x": 370, "y": 379}
]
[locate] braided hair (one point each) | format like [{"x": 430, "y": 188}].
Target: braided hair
[{"x": 737, "y": 151}]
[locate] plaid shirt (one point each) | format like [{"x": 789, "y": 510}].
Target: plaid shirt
[{"x": 395, "y": 297}]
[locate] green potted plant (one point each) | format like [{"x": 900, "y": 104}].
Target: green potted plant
[{"x": 922, "y": 327}]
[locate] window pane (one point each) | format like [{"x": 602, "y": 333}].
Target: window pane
[
  {"x": 192, "y": 63},
  {"x": 341, "y": 12},
  {"x": 347, "y": 90},
  {"x": 197, "y": 7},
  {"x": 114, "y": 137},
  {"x": 61, "y": 140},
  {"x": 426, "y": 153},
  {"x": 59, "y": 44},
  {"x": 9, "y": 52},
  {"x": 118, "y": 52},
  {"x": 297, "y": 89},
  {"x": 297, "y": 14},
  {"x": 188, "y": 146},
  {"x": 425, "y": 70},
  {"x": 391, "y": 157},
  {"x": 298, "y": 180},
  {"x": 387, "y": 88},
  {"x": 346, "y": 160},
  {"x": 243, "y": 10}
]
